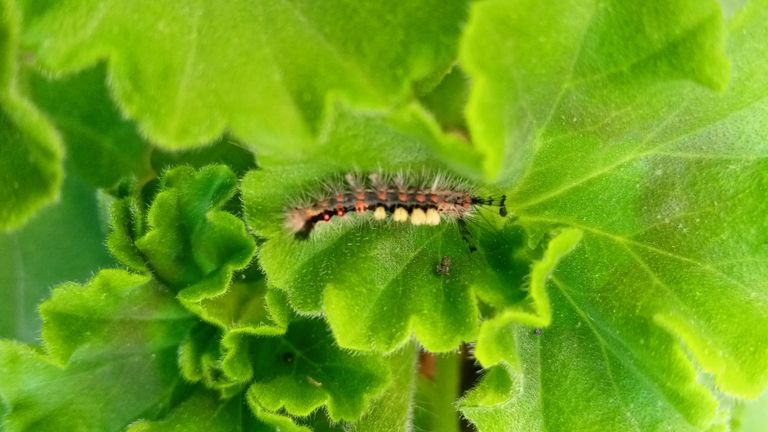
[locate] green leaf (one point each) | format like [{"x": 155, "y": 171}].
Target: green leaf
[
  {"x": 573, "y": 378},
  {"x": 495, "y": 341},
  {"x": 664, "y": 177},
  {"x": 205, "y": 412},
  {"x": 393, "y": 411},
  {"x": 102, "y": 147},
  {"x": 40, "y": 255},
  {"x": 117, "y": 339},
  {"x": 191, "y": 244},
  {"x": 261, "y": 70},
  {"x": 249, "y": 305},
  {"x": 298, "y": 367},
  {"x": 368, "y": 305},
  {"x": 436, "y": 392},
  {"x": 127, "y": 223},
  {"x": 30, "y": 149},
  {"x": 304, "y": 370},
  {"x": 114, "y": 301},
  {"x": 751, "y": 416},
  {"x": 246, "y": 309},
  {"x": 446, "y": 101},
  {"x": 491, "y": 406},
  {"x": 529, "y": 60},
  {"x": 202, "y": 411},
  {"x": 226, "y": 151},
  {"x": 200, "y": 359}
]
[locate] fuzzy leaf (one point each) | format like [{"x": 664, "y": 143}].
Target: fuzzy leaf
[
  {"x": 261, "y": 70},
  {"x": 127, "y": 223},
  {"x": 751, "y": 416},
  {"x": 202, "y": 411},
  {"x": 496, "y": 339},
  {"x": 369, "y": 303},
  {"x": 663, "y": 176},
  {"x": 112, "y": 302},
  {"x": 303, "y": 370},
  {"x": 191, "y": 244},
  {"x": 200, "y": 359},
  {"x": 529, "y": 60},
  {"x": 39, "y": 255},
  {"x": 117, "y": 339},
  {"x": 446, "y": 101},
  {"x": 393, "y": 411},
  {"x": 225, "y": 152},
  {"x": 247, "y": 308},
  {"x": 102, "y": 147},
  {"x": 572, "y": 378},
  {"x": 205, "y": 412},
  {"x": 437, "y": 387},
  {"x": 249, "y": 305},
  {"x": 30, "y": 149}
]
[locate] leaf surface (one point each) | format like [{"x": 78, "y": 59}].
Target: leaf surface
[
  {"x": 246, "y": 309},
  {"x": 663, "y": 169},
  {"x": 30, "y": 149},
  {"x": 206, "y": 412},
  {"x": 375, "y": 280},
  {"x": 100, "y": 338},
  {"x": 102, "y": 146},
  {"x": 751, "y": 416},
  {"x": 495, "y": 342},
  {"x": 438, "y": 385},
  {"x": 530, "y": 73},
  {"x": 393, "y": 411},
  {"x": 304, "y": 369},
  {"x": 40, "y": 255},
  {"x": 189, "y": 242},
  {"x": 262, "y": 70}
]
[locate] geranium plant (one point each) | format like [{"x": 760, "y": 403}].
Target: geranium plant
[{"x": 533, "y": 215}]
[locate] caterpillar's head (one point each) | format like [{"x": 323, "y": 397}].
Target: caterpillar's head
[{"x": 300, "y": 222}]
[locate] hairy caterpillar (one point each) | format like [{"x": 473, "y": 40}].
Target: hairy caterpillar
[{"x": 425, "y": 200}]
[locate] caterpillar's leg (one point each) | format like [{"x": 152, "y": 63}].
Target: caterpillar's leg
[{"x": 466, "y": 235}]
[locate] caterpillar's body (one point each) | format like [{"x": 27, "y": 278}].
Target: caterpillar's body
[{"x": 424, "y": 201}]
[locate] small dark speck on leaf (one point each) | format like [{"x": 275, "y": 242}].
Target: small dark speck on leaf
[{"x": 444, "y": 267}]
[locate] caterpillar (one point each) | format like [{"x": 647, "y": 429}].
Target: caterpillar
[{"x": 425, "y": 200}]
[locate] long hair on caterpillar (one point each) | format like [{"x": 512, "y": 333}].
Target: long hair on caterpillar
[{"x": 424, "y": 199}]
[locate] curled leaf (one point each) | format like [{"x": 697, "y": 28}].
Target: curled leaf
[
  {"x": 190, "y": 243},
  {"x": 303, "y": 370},
  {"x": 30, "y": 149},
  {"x": 120, "y": 331},
  {"x": 261, "y": 70},
  {"x": 496, "y": 339}
]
